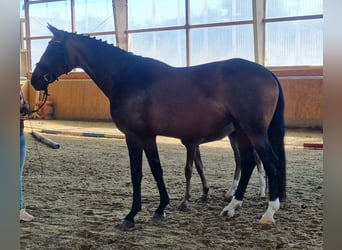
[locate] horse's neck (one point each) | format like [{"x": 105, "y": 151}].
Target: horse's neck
[{"x": 103, "y": 73}]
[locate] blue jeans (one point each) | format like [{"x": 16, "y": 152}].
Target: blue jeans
[{"x": 22, "y": 163}]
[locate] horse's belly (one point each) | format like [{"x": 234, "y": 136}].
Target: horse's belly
[{"x": 195, "y": 130}]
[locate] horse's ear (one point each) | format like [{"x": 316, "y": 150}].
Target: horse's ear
[
  {"x": 56, "y": 32},
  {"x": 52, "y": 28}
]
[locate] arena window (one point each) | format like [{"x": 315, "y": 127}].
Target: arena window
[{"x": 274, "y": 33}]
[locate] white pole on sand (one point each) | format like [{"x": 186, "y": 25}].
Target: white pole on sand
[{"x": 45, "y": 140}]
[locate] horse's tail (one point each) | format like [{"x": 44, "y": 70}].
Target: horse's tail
[{"x": 276, "y": 133}]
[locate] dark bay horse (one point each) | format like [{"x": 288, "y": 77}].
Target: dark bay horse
[{"x": 196, "y": 104}]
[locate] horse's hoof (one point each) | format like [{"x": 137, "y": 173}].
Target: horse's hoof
[
  {"x": 227, "y": 214},
  {"x": 126, "y": 224},
  {"x": 183, "y": 207},
  {"x": 224, "y": 213},
  {"x": 158, "y": 216},
  {"x": 266, "y": 221},
  {"x": 263, "y": 196},
  {"x": 204, "y": 198}
]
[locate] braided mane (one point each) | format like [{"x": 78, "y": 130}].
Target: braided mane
[{"x": 94, "y": 40}]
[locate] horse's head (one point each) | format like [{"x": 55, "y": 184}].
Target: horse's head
[{"x": 53, "y": 62}]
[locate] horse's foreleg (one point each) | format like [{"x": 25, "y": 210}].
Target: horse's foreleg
[
  {"x": 151, "y": 152},
  {"x": 190, "y": 154},
  {"x": 199, "y": 167},
  {"x": 135, "y": 149}
]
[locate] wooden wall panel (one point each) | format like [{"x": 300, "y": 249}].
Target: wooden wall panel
[
  {"x": 81, "y": 99},
  {"x": 78, "y": 100},
  {"x": 303, "y": 101}
]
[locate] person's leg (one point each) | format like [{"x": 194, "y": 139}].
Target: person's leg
[
  {"x": 25, "y": 216},
  {"x": 22, "y": 163}
]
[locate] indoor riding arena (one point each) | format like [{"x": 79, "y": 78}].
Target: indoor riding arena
[{"x": 92, "y": 178}]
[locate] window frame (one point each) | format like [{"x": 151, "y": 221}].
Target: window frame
[
  {"x": 121, "y": 32},
  {"x": 188, "y": 27},
  {"x": 26, "y": 40},
  {"x": 266, "y": 21}
]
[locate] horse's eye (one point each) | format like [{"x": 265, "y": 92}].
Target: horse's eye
[{"x": 48, "y": 78}]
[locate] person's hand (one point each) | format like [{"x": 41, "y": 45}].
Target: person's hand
[{"x": 24, "y": 110}]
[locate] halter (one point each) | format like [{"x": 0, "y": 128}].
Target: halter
[{"x": 48, "y": 77}]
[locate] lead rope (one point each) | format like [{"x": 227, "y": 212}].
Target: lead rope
[
  {"x": 45, "y": 96},
  {"x": 37, "y": 150},
  {"x": 31, "y": 127}
]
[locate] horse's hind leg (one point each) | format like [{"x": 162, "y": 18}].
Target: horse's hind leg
[
  {"x": 247, "y": 165},
  {"x": 261, "y": 175},
  {"x": 269, "y": 161},
  {"x": 233, "y": 142},
  {"x": 190, "y": 155},
  {"x": 262, "y": 181},
  {"x": 199, "y": 167},
  {"x": 151, "y": 152}
]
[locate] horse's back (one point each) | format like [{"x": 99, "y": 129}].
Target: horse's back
[{"x": 232, "y": 76}]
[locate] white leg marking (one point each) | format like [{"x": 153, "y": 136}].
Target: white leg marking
[
  {"x": 232, "y": 189},
  {"x": 273, "y": 206},
  {"x": 262, "y": 182},
  {"x": 230, "y": 209}
]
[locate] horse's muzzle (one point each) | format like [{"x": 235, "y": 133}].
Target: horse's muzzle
[{"x": 38, "y": 82}]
